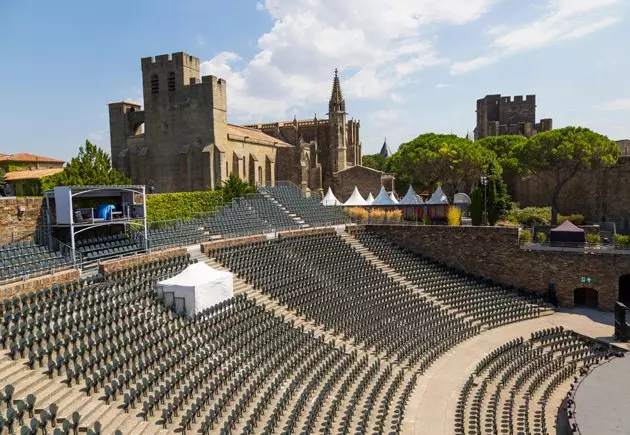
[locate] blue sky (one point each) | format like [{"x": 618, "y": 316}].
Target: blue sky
[{"x": 415, "y": 66}]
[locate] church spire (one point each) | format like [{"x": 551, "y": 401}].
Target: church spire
[{"x": 337, "y": 103}]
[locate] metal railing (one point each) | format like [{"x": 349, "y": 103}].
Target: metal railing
[{"x": 66, "y": 251}]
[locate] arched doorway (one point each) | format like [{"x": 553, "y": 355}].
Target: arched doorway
[
  {"x": 586, "y": 297},
  {"x": 624, "y": 290}
]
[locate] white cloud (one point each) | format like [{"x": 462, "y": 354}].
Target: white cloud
[
  {"x": 472, "y": 65},
  {"x": 385, "y": 117},
  {"x": 99, "y": 135},
  {"x": 563, "y": 20},
  {"x": 201, "y": 41},
  {"x": 618, "y": 104},
  {"x": 376, "y": 49},
  {"x": 443, "y": 86}
]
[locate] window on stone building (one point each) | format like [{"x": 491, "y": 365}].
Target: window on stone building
[
  {"x": 227, "y": 169},
  {"x": 171, "y": 81},
  {"x": 260, "y": 179},
  {"x": 155, "y": 85}
]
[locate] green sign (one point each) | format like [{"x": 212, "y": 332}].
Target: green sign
[{"x": 586, "y": 280}]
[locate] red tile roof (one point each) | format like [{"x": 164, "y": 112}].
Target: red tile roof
[
  {"x": 30, "y": 175},
  {"x": 26, "y": 157},
  {"x": 255, "y": 134}
]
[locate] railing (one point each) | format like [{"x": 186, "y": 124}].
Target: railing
[
  {"x": 599, "y": 248},
  {"x": 66, "y": 251}
]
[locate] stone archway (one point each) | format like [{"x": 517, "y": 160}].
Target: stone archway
[
  {"x": 624, "y": 290},
  {"x": 586, "y": 297}
]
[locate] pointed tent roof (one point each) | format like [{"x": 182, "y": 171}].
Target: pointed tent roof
[
  {"x": 369, "y": 199},
  {"x": 567, "y": 227},
  {"x": 356, "y": 199},
  {"x": 330, "y": 198},
  {"x": 385, "y": 151},
  {"x": 393, "y": 197},
  {"x": 438, "y": 197},
  {"x": 383, "y": 198},
  {"x": 411, "y": 198}
]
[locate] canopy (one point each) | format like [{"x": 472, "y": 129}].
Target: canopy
[
  {"x": 330, "y": 199},
  {"x": 393, "y": 197},
  {"x": 438, "y": 197},
  {"x": 196, "y": 288},
  {"x": 567, "y": 232},
  {"x": 382, "y": 198},
  {"x": 461, "y": 198},
  {"x": 411, "y": 198},
  {"x": 356, "y": 199},
  {"x": 369, "y": 199}
]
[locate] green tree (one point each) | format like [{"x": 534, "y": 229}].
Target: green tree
[
  {"x": 375, "y": 161},
  {"x": 506, "y": 148},
  {"x": 498, "y": 197},
  {"x": 92, "y": 167},
  {"x": 3, "y": 181},
  {"x": 235, "y": 187},
  {"x": 431, "y": 158},
  {"x": 476, "y": 206},
  {"x": 557, "y": 156}
]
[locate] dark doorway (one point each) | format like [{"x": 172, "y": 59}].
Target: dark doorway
[
  {"x": 586, "y": 297},
  {"x": 624, "y": 290}
]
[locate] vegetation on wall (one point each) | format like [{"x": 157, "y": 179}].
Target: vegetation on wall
[
  {"x": 182, "y": 205},
  {"x": 3, "y": 180},
  {"x": 532, "y": 216},
  {"x": 92, "y": 167}
]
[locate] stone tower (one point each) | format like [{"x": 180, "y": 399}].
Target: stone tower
[
  {"x": 338, "y": 127},
  {"x": 499, "y": 115}
]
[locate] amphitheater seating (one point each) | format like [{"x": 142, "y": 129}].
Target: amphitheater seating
[
  {"x": 95, "y": 248},
  {"x": 309, "y": 209},
  {"x": 27, "y": 258},
  {"x": 485, "y": 302},
  {"x": 253, "y": 214},
  {"x": 232, "y": 368},
  {"x": 511, "y": 387},
  {"x": 182, "y": 233},
  {"x": 324, "y": 279}
]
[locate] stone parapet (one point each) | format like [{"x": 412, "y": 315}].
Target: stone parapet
[
  {"x": 124, "y": 262},
  {"x": 20, "y": 288}
]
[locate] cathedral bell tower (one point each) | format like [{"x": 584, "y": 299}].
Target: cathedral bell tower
[{"x": 338, "y": 126}]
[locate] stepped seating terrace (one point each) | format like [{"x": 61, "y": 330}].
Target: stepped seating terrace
[
  {"x": 96, "y": 248},
  {"x": 181, "y": 233},
  {"x": 29, "y": 258}
]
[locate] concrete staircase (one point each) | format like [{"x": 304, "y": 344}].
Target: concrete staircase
[{"x": 300, "y": 221}]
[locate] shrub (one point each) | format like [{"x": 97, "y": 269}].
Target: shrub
[
  {"x": 183, "y": 205},
  {"x": 476, "y": 207},
  {"x": 426, "y": 219},
  {"x": 532, "y": 216},
  {"x": 622, "y": 241},
  {"x": 541, "y": 237},
  {"x": 525, "y": 236},
  {"x": 576, "y": 219},
  {"x": 358, "y": 213},
  {"x": 454, "y": 216},
  {"x": 377, "y": 214},
  {"x": 592, "y": 240},
  {"x": 393, "y": 215}
]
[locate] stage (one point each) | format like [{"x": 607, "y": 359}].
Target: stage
[{"x": 601, "y": 399}]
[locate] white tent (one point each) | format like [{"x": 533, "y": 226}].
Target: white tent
[
  {"x": 382, "y": 198},
  {"x": 393, "y": 197},
  {"x": 438, "y": 197},
  {"x": 411, "y": 198},
  {"x": 356, "y": 199},
  {"x": 330, "y": 198},
  {"x": 196, "y": 288},
  {"x": 369, "y": 199},
  {"x": 461, "y": 198}
]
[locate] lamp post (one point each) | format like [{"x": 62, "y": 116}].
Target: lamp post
[{"x": 484, "y": 181}]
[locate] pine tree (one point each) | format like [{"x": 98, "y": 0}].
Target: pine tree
[{"x": 476, "y": 206}]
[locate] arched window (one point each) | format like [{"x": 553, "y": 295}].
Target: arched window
[
  {"x": 171, "y": 81},
  {"x": 260, "y": 178},
  {"x": 227, "y": 170},
  {"x": 155, "y": 85}
]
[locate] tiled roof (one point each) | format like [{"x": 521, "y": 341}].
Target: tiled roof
[
  {"x": 255, "y": 134},
  {"x": 26, "y": 157},
  {"x": 31, "y": 175}
]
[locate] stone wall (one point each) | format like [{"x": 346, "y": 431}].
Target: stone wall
[
  {"x": 13, "y": 228},
  {"x": 597, "y": 194},
  {"x": 366, "y": 179},
  {"x": 494, "y": 253},
  {"x": 205, "y": 247},
  {"x": 124, "y": 262},
  {"x": 19, "y": 288}
]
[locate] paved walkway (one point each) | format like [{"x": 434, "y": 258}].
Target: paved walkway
[{"x": 431, "y": 407}]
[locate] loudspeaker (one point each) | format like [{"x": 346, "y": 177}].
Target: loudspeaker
[{"x": 622, "y": 329}]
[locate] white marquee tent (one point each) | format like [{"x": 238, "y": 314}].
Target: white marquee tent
[
  {"x": 356, "y": 199},
  {"x": 196, "y": 288},
  {"x": 411, "y": 198},
  {"x": 438, "y": 197},
  {"x": 330, "y": 199},
  {"x": 369, "y": 199},
  {"x": 392, "y": 196},
  {"x": 382, "y": 198}
]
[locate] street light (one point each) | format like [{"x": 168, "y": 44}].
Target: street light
[{"x": 484, "y": 181}]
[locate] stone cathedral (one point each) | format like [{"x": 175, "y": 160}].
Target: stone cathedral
[{"x": 187, "y": 144}]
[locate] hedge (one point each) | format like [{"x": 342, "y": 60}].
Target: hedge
[{"x": 182, "y": 205}]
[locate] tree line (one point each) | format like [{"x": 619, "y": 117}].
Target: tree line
[{"x": 459, "y": 164}]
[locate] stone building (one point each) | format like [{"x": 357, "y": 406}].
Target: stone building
[
  {"x": 187, "y": 143},
  {"x": 24, "y": 170},
  {"x": 498, "y": 115}
]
